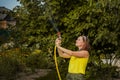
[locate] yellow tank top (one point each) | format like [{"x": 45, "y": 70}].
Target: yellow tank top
[{"x": 77, "y": 65}]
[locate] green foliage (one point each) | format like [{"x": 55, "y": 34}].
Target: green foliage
[
  {"x": 10, "y": 65},
  {"x": 98, "y": 19},
  {"x": 16, "y": 60},
  {"x": 4, "y": 36},
  {"x": 97, "y": 72},
  {"x": 41, "y": 61}
]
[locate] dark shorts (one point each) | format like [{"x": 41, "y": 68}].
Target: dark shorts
[{"x": 72, "y": 76}]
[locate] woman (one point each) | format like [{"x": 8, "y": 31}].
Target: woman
[{"x": 78, "y": 59}]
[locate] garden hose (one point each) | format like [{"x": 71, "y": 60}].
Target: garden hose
[
  {"x": 56, "y": 64},
  {"x": 52, "y": 21}
]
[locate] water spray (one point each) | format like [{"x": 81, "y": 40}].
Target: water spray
[{"x": 55, "y": 27}]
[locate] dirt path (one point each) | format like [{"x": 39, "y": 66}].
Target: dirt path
[
  {"x": 37, "y": 74},
  {"x": 32, "y": 76}
]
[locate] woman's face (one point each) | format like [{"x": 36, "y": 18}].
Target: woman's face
[{"x": 80, "y": 43}]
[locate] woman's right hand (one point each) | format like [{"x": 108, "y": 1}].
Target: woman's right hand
[{"x": 58, "y": 42}]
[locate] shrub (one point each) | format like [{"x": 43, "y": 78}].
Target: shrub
[
  {"x": 41, "y": 60},
  {"x": 10, "y": 65}
]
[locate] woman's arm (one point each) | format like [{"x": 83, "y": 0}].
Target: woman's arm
[
  {"x": 82, "y": 53},
  {"x": 62, "y": 54},
  {"x": 66, "y": 53}
]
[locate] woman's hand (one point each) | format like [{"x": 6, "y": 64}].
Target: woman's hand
[{"x": 57, "y": 42}]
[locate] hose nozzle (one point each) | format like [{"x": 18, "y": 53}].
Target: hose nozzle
[{"x": 59, "y": 35}]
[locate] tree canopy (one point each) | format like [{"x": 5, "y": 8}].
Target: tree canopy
[{"x": 99, "y": 20}]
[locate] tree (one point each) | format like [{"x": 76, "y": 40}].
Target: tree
[{"x": 98, "y": 19}]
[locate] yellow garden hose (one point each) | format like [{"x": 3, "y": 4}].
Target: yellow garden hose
[{"x": 56, "y": 64}]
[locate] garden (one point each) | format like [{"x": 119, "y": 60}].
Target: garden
[{"x": 29, "y": 45}]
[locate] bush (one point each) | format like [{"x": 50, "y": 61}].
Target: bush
[
  {"x": 40, "y": 60},
  {"x": 97, "y": 72},
  {"x": 10, "y": 65}
]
